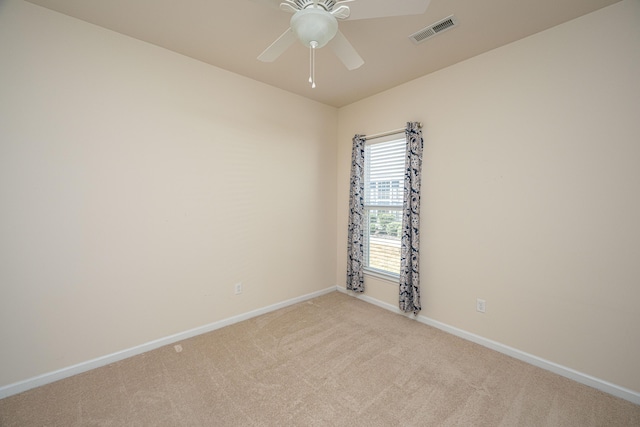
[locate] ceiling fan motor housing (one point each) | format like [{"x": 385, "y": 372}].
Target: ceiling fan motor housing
[
  {"x": 303, "y": 4},
  {"x": 314, "y": 25}
]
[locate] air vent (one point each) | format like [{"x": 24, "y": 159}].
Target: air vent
[{"x": 434, "y": 29}]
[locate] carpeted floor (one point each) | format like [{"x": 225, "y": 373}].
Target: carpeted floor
[{"x": 330, "y": 361}]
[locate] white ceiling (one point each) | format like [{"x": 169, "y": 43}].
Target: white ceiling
[{"x": 230, "y": 34}]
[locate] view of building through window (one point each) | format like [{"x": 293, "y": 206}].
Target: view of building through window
[{"x": 384, "y": 179}]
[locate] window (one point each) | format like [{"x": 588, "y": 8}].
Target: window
[{"x": 383, "y": 194}]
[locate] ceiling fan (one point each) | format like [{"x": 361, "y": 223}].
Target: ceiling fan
[{"x": 315, "y": 24}]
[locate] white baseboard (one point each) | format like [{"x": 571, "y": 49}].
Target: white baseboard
[
  {"x": 605, "y": 386},
  {"x": 40, "y": 380}
]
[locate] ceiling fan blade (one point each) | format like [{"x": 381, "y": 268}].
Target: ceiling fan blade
[
  {"x": 278, "y": 47},
  {"x": 286, "y": 7},
  {"x": 341, "y": 12},
  {"x": 382, "y": 8},
  {"x": 345, "y": 51}
]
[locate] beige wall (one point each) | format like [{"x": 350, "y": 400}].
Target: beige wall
[
  {"x": 531, "y": 191},
  {"x": 137, "y": 186}
]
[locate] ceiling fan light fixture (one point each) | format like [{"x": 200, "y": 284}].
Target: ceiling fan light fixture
[{"x": 314, "y": 25}]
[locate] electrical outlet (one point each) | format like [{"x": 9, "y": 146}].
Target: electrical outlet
[
  {"x": 481, "y": 305},
  {"x": 238, "y": 288}
]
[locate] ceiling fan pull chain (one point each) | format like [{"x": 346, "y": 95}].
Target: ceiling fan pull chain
[
  {"x": 313, "y": 67},
  {"x": 312, "y": 64}
]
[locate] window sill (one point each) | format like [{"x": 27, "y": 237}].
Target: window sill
[{"x": 390, "y": 278}]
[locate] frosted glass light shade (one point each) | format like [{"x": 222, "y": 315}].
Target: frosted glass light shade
[{"x": 314, "y": 25}]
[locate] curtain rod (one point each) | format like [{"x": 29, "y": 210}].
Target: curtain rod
[{"x": 391, "y": 132}]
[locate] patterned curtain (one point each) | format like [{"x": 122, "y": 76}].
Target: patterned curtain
[
  {"x": 355, "y": 239},
  {"x": 410, "y": 244}
]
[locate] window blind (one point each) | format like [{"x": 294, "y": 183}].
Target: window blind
[{"x": 384, "y": 173}]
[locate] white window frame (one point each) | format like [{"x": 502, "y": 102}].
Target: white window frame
[{"x": 394, "y": 193}]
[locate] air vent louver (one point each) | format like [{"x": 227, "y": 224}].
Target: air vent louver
[{"x": 434, "y": 29}]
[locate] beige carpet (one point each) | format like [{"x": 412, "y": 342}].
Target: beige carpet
[{"x": 330, "y": 361}]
